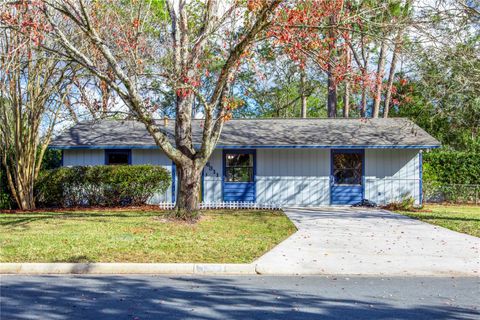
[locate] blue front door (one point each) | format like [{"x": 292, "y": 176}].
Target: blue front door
[
  {"x": 239, "y": 175},
  {"x": 346, "y": 180}
]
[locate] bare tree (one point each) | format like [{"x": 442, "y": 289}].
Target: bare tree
[
  {"x": 172, "y": 44},
  {"x": 32, "y": 88}
]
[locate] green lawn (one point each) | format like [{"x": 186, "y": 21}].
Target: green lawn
[
  {"x": 139, "y": 236},
  {"x": 465, "y": 219}
]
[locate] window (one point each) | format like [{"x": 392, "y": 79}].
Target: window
[
  {"x": 239, "y": 167},
  {"x": 347, "y": 168},
  {"x": 117, "y": 157}
]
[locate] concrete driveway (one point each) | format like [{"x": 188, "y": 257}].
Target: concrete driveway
[{"x": 353, "y": 241}]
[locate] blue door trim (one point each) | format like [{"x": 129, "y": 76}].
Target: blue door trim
[
  {"x": 239, "y": 191},
  {"x": 346, "y": 198}
]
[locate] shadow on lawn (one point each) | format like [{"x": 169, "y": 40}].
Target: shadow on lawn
[
  {"x": 113, "y": 297},
  {"x": 25, "y": 218},
  {"x": 434, "y": 217}
]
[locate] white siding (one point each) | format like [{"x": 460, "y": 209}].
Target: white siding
[
  {"x": 83, "y": 157},
  {"x": 155, "y": 157},
  {"x": 290, "y": 176},
  {"x": 293, "y": 176},
  {"x": 212, "y": 178},
  {"x": 391, "y": 174},
  {"x": 151, "y": 156}
]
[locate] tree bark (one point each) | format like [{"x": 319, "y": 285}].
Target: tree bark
[
  {"x": 391, "y": 74},
  {"x": 332, "y": 86},
  {"x": 303, "y": 94},
  {"x": 379, "y": 80},
  {"x": 332, "y": 95},
  {"x": 346, "y": 100},
  {"x": 189, "y": 181}
]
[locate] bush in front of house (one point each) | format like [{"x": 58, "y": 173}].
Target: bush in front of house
[
  {"x": 451, "y": 167},
  {"x": 100, "y": 185}
]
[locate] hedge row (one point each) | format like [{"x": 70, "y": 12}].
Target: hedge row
[
  {"x": 451, "y": 167},
  {"x": 100, "y": 185}
]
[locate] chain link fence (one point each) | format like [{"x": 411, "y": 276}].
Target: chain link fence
[{"x": 454, "y": 193}]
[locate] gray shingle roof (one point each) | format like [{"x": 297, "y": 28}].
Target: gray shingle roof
[{"x": 392, "y": 132}]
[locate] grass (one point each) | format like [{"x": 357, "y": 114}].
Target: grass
[
  {"x": 139, "y": 236},
  {"x": 465, "y": 219}
]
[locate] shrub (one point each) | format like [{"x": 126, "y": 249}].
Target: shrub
[
  {"x": 449, "y": 176},
  {"x": 100, "y": 185},
  {"x": 451, "y": 167},
  {"x": 407, "y": 203}
]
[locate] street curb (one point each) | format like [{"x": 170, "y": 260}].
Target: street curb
[{"x": 127, "y": 268}]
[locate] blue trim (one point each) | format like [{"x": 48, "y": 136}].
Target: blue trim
[
  {"x": 96, "y": 147},
  {"x": 363, "y": 174},
  {"x": 174, "y": 173},
  {"x": 242, "y": 187},
  {"x": 112, "y": 151},
  {"x": 349, "y": 197},
  {"x": 330, "y": 147},
  {"x": 420, "y": 163},
  {"x": 258, "y": 147}
]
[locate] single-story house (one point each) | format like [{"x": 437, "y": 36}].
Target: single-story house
[{"x": 302, "y": 162}]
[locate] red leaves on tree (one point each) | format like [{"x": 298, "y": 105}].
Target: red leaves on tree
[
  {"x": 188, "y": 83},
  {"x": 27, "y": 18},
  {"x": 319, "y": 31}
]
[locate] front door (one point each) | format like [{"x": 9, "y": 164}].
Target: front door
[
  {"x": 239, "y": 175},
  {"x": 346, "y": 176}
]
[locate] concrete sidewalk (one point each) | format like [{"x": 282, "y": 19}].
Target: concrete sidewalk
[{"x": 337, "y": 240}]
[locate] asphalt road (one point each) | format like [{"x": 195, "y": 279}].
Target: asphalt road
[{"x": 257, "y": 297}]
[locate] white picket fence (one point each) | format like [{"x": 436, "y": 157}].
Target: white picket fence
[{"x": 227, "y": 205}]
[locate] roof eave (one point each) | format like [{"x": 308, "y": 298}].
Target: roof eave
[{"x": 97, "y": 147}]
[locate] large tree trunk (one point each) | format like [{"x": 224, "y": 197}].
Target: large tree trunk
[
  {"x": 332, "y": 86},
  {"x": 25, "y": 198},
  {"x": 20, "y": 179},
  {"x": 332, "y": 96},
  {"x": 379, "y": 80},
  {"x": 189, "y": 181}
]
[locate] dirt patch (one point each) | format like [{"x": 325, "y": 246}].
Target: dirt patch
[{"x": 168, "y": 219}]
